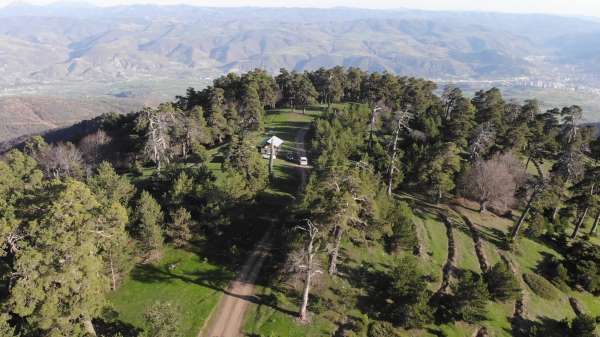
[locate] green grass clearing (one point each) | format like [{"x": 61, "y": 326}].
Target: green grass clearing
[{"x": 193, "y": 286}]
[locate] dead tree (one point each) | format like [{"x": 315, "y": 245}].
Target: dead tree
[
  {"x": 401, "y": 118},
  {"x": 538, "y": 187},
  {"x": 491, "y": 182},
  {"x": 307, "y": 264},
  {"x": 595, "y": 225},
  {"x": 60, "y": 160},
  {"x": 157, "y": 143},
  {"x": 583, "y": 215},
  {"x": 485, "y": 136},
  {"x": 372, "y": 125}
]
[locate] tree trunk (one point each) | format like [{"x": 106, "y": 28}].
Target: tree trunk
[
  {"x": 371, "y": 123},
  {"x": 554, "y": 214},
  {"x": 539, "y": 169},
  {"x": 303, "y": 308},
  {"x": 304, "y": 110},
  {"x": 393, "y": 160},
  {"x": 335, "y": 252},
  {"x": 579, "y": 223},
  {"x": 595, "y": 225},
  {"x": 89, "y": 327},
  {"x": 112, "y": 272},
  {"x": 517, "y": 227},
  {"x": 483, "y": 206}
]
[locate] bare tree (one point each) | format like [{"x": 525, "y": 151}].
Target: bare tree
[
  {"x": 484, "y": 138},
  {"x": 491, "y": 182},
  {"x": 401, "y": 119},
  {"x": 158, "y": 122},
  {"x": 60, "y": 160},
  {"x": 92, "y": 147},
  {"x": 304, "y": 263}
]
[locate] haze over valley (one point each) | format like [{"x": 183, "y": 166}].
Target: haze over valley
[{"x": 130, "y": 56}]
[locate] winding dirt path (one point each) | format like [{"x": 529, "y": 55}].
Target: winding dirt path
[{"x": 228, "y": 318}]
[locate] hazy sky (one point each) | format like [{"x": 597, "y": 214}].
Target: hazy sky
[{"x": 565, "y": 7}]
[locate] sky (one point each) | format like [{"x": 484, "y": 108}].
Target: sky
[{"x": 562, "y": 7}]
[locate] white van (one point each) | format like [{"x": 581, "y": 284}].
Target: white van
[{"x": 303, "y": 161}]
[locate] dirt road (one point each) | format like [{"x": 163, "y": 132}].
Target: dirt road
[
  {"x": 228, "y": 319},
  {"x": 300, "y": 135}
]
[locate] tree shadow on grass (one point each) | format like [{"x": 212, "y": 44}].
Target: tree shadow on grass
[
  {"x": 216, "y": 279},
  {"x": 545, "y": 326},
  {"x": 437, "y": 333},
  {"x": 369, "y": 279},
  {"x": 493, "y": 236},
  {"x": 110, "y": 324}
]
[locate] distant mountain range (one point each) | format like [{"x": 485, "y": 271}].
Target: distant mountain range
[
  {"x": 119, "y": 43},
  {"x": 146, "y": 51}
]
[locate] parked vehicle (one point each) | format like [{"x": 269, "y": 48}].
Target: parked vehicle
[{"x": 303, "y": 161}]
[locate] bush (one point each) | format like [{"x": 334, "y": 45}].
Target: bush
[
  {"x": 318, "y": 304},
  {"x": 502, "y": 283},
  {"x": 357, "y": 327},
  {"x": 540, "y": 286},
  {"x": 382, "y": 329}
]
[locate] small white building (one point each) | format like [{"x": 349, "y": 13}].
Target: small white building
[{"x": 265, "y": 147}]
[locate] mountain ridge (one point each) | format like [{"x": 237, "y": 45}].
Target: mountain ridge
[{"x": 146, "y": 51}]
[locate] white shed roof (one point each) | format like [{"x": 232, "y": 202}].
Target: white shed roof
[{"x": 275, "y": 140}]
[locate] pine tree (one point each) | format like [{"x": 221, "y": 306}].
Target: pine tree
[
  {"x": 490, "y": 107},
  {"x": 244, "y": 166},
  {"x": 179, "y": 228},
  {"x": 252, "y": 110},
  {"x": 501, "y": 282},
  {"x": 583, "y": 326},
  {"x": 438, "y": 173},
  {"x": 409, "y": 294},
  {"x": 113, "y": 242},
  {"x": 470, "y": 297},
  {"x": 303, "y": 91},
  {"x": 149, "y": 219},
  {"x": 109, "y": 187},
  {"x": 214, "y": 116},
  {"x": 61, "y": 286}
]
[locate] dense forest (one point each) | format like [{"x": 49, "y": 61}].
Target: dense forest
[{"x": 77, "y": 218}]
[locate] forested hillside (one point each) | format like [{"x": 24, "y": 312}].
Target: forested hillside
[{"x": 417, "y": 215}]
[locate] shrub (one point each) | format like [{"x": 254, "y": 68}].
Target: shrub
[
  {"x": 319, "y": 305},
  {"x": 502, "y": 283},
  {"x": 540, "y": 286},
  {"x": 162, "y": 320},
  {"x": 382, "y": 329},
  {"x": 358, "y": 326}
]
